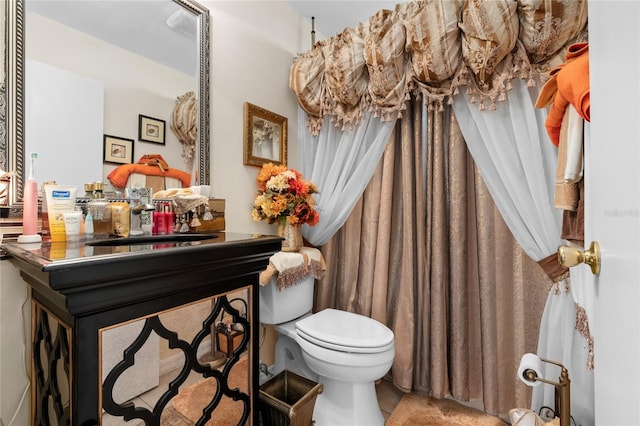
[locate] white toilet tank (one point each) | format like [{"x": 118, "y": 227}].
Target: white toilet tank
[{"x": 277, "y": 307}]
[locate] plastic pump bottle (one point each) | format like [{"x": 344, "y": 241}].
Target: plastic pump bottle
[{"x": 30, "y": 207}]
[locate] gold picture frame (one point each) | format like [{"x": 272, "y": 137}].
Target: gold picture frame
[{"x": 265, "y": 136}]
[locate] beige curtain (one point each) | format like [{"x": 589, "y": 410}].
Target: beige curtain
[
  {"x": 426, "y": 252},
  {"x": 434, "y": 49}
]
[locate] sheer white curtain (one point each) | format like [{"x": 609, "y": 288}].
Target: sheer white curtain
[
  {"x": 341, "y": 164},
  {"x": 517, "y": 163}
]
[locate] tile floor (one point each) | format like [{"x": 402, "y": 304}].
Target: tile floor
[{"x": 388, "y": 397}]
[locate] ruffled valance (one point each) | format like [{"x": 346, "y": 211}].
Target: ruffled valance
[{"x": 431, "y": 49}]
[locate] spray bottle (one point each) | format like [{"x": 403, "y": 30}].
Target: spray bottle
[{"x": 30, "y": 207}]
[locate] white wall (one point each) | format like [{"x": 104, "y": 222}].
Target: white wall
[
  {"x": 15, "y": 324},
  {"x": 253, "y": 44}
]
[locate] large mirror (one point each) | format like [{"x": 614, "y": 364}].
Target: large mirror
[{"x": 127, "y": 102}]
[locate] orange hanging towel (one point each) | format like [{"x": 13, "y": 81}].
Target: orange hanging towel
[
  {"x": 568, "y": 85},
  {"x": 150, "y": 165}
]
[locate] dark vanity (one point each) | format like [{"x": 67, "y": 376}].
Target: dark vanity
[{"x": 79, "y": 289}]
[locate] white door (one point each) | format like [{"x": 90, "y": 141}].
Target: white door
[{"x": 612, "y": 193}]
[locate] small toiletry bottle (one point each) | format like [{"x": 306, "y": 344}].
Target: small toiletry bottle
[
  {"x": 72, "y": 220},
  {"x": 30, "y": 207},
  {"x": 45, "y": 231},
  {"x": 88, "y": 225},
  {"x": 154, "y": 220},
  {"x": 100, "y": 211},
  {"x": 120, "y": 215},
  {"x": 79, "y": 209},
  {"x": 169, "y": 219},
  {"x": 162, "y": 220}
]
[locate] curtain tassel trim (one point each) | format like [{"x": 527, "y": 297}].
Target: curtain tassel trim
[
  {"x": 582, "y": 326},
  {"x": 558, "y": 273},
  {"x": 293, "y": 276}
]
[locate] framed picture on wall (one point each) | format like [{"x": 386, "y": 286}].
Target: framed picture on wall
[
  {"x": 118, "y": 150},
  {"x": 151, "y": 129},
  {"x": 265, "y": 136}
]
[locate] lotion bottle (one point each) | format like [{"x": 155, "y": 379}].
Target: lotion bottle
[{"x": 30, "y": 207}]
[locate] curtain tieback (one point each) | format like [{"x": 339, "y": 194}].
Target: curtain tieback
[{"x": 553, "y": 269}]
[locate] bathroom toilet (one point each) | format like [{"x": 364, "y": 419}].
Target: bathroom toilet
[{"x": 344, "y": 351}]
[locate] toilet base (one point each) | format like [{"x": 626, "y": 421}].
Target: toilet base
[
  {"x": 288, "y": 356},
  {"x": 347, "y": 404},
  {"x": 342, "y": 402}
]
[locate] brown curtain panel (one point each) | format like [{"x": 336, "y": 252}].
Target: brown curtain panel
[{"x": 426, "y": 252}]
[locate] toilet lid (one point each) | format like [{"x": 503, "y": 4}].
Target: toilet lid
[{"x": 345, "y": 331}]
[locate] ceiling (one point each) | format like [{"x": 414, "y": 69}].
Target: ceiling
[
  {"x": 333, "y": 16},
  {"x": 151, "y": 28}
]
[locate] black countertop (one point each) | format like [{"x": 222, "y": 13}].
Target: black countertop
[
  {"x": 92, "y": 278},
  {"x": 54, "y": 255}
]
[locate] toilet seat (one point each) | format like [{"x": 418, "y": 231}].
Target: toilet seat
[
  {"x": 345, "y": 331},
  {"x": 343, "y": 348}
]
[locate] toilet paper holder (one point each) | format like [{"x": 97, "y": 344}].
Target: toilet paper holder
[{"x": 562, "y": 386}]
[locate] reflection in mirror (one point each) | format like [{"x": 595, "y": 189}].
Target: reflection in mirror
[
  {"x": 120, "y": 83},
  {"x": 175, "y": 358}
]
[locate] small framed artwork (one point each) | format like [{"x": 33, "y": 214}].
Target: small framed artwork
[
  {"x": 151, "y": 129},
  {"x": 118, "y": 150},
  {"x": 265, "y": 136}
]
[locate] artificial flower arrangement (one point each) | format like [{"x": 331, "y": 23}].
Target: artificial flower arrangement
[{"x": 284, "y": 196}]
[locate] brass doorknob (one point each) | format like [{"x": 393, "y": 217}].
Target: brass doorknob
[{"x": 571, "y": 256}]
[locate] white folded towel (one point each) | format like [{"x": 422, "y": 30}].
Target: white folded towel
[
  {"x": 291, "y": 268},
  {"x": 283, "y": 260},
  {"x": 575, "y": 138}
]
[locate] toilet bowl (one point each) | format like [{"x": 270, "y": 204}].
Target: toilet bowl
[
  {"x": 349, "y": 352},
  {"x": 344, "y": 351}
]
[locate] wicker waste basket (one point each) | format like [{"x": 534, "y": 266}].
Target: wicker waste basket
[{"x": 288, "y": 399}]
